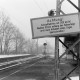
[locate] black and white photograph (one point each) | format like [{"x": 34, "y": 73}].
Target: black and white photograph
[{"x": 39, "y": 39}]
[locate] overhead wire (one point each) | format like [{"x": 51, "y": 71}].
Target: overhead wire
[
  {"x": 39, "y": 7},
  {"x": 46, "y": 6}
]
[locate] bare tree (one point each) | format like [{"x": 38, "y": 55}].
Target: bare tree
[
  {"x": 31, "y": 46},
  {"x": 8, "y": 36},
  {"x": 19, "y": 41},
  {"x": 3, "y": 21},
  {"x": 11, "y": 39}
]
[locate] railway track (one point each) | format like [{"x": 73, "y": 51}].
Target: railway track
[{"x": 35, "y": 67}]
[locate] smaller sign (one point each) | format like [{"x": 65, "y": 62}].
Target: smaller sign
[{"x": 55, "y": 26}]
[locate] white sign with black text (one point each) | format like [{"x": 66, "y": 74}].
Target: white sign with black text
[{"x": 55, "y": 26}]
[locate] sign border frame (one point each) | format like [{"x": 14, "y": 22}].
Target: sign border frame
[{"x": 60, "y": 35}]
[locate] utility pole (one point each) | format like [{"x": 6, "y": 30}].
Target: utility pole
[{"x": 57, "y": 45}]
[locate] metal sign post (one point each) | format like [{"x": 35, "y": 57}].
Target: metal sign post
[
  {"x": 57, "y": 46},
  {"x": 56, "y": 58}
]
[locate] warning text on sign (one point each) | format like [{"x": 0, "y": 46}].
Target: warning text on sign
[{"x": 54, "y": 26}]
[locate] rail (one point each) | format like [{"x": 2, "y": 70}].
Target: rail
[{"x": 12, "y": 63}]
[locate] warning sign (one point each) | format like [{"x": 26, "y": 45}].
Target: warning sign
[{"x": 55, "y": 26}]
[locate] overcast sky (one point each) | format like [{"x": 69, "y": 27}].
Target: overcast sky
[{"x": 21, "y": 11}]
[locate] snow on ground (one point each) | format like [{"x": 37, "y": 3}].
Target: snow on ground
[
  {"x": 74, "y": 78},
  {"x": 4, "y": 56}
]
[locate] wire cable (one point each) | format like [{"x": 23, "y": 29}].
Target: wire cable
[
  {"x": 38, "y": 6},
  {"x": 46, "y": 6}
]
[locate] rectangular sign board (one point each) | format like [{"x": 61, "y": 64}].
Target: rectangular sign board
[{"x": 55, "y": 26}]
